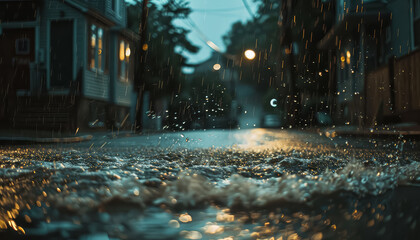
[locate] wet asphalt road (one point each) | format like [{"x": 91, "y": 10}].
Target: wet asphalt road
[
  {"x": 246, "y": 139},
  {"x": 214, "y": 184}
]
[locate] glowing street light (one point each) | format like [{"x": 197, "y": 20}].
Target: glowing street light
[
  {"x": 249, "y": 54},
  {"x": 217, "y": 67}
]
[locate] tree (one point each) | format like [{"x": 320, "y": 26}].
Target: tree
[
  {"x": 162, "y": 73},
  {"x": 260, "y": 37},
  {"x": 284, "y": 34}
]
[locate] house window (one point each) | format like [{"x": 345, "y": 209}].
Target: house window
[
  {"x": 22, "y": 46},
  {"x": 416, "y": 22},
  {"x": 124, "y": 60},
  {"x": 97, "y": 48}
]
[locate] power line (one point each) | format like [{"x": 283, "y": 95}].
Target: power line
[
  {"x": 217, "y": 9},
  {"x": 236, "y": 15},
  {"x": 203, "y": 37},
  {"x": 248, "y": 9}
]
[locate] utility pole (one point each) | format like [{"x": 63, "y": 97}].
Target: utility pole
[{"x": 139, "y": 82}]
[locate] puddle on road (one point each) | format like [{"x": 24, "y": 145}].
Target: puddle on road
[{"x": 294, "y": 190}]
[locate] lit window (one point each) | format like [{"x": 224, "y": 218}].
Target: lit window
[
  {"x": 96, "y": 52},
  {"x": 99, "y": 51},
  {"x": 122, "y": 55},
  {"x": 124, "y": 59},
  {"x": 92, "y": 46}
]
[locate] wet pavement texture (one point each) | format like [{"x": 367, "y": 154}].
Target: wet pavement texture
[{"x": 218, "y": 184}]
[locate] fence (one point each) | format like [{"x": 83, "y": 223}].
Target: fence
[
  {"x": 394, "y": 90},
  {"x": 407, "y": 83},
  {"x": 378, "y": 95}
]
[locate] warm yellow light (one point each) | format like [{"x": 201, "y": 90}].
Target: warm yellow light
[
  {"x": 213, "y": 229},
  {"x": 249, "y": 54},
  {"x": 348, "y": 54},
  {"x": 343, "y": 59},
  {"x": 93, "y": 41},
  {"x": 99, "y": 47},
  {"x": 127, "y": 52},
  {"x": 145, "y": 47},
  {"x": 122, "y": 55},
  {"x": 185, "y": 218},
  {"x": 217, "y": 67}
]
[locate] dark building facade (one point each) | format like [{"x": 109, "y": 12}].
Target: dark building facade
[
  {"x": 367, "y": 39},
  {"x": 65, "y": 64}
]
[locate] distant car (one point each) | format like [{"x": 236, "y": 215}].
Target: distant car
[{"x": 271, "y": 121}]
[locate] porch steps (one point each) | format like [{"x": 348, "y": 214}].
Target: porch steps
[{"x": 47, "y": 112}]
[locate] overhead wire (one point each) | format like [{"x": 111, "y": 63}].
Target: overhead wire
[
  {"x": 217, "y": 9},
  {"x": 203, "y": 36},
  {"x": 248, "y": 9}
]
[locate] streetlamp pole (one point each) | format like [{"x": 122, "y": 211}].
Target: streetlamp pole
[{"x": 139, "y": 80}]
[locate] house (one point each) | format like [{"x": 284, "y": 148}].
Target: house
[
  {"x": 65, "y": 64},
  {"x": 366, "y": 43}
]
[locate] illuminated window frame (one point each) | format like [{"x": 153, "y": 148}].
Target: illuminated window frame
[
  {"x": 124, "y": 53},
  {"x": 97, "y": 48}
]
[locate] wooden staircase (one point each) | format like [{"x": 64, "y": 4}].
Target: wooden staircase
[{"x": 45, "y": 112}]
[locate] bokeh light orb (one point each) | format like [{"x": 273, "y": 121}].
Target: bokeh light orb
[
  {"x": 217, "y": 67},
  {"x": 249, "y": 54}
]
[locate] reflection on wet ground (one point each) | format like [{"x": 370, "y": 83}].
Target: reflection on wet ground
[{"x": 251, "y": 184}]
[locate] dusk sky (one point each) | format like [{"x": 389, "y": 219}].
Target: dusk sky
[{"x": 214, "y": 19}]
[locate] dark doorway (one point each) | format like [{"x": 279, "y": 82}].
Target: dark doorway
[{"x": 61, "y": 54}]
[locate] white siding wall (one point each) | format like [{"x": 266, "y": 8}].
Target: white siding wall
[
  {"x": 96, "y": 85},
  {"x": 120, "y": 16},
  {"x": 123, "y": 93}
]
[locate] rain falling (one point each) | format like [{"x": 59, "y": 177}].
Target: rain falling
[{"x": 187, "y": 119}]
